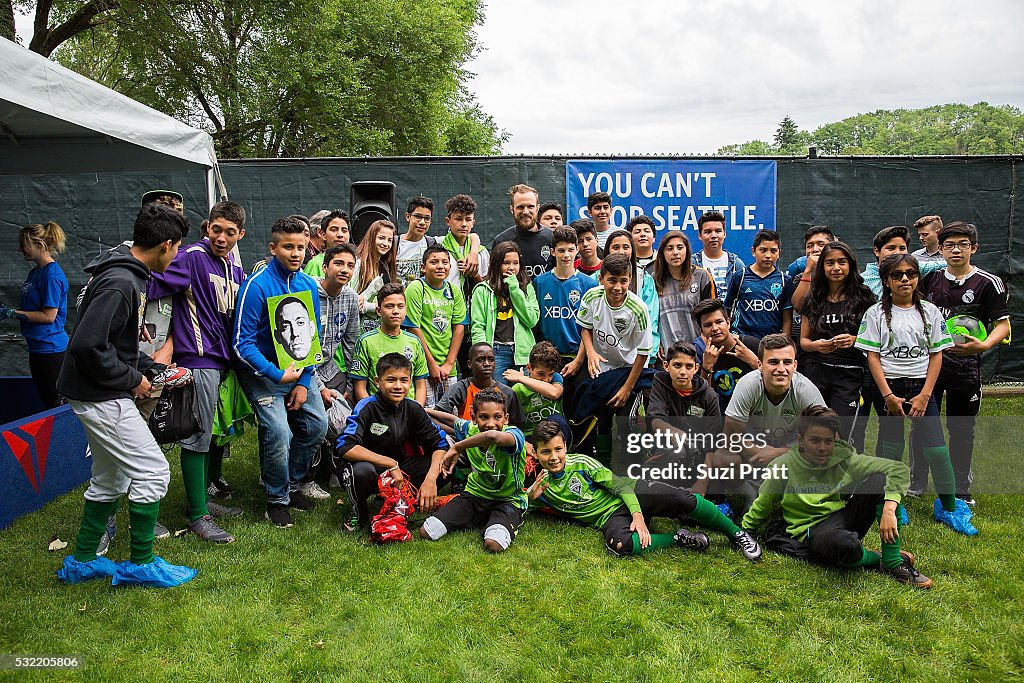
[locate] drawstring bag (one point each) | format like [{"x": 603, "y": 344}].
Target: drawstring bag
[
  {"x": 391, "y": 524},
  {"x": 176, "y": 415}
]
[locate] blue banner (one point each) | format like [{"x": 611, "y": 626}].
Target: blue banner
[{"x": 676, "y": 192}]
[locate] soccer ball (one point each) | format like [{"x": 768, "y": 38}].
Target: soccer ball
[{"x": 963, "y": 326}]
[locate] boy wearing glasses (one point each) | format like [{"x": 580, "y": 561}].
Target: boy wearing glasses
[{"x": 963, "y": 289}]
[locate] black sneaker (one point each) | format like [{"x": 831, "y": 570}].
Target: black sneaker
[
  {"x": 279, "y": 516},
  {"x": 208, "y": 530},
  {"x": 350, "y": 522},
  {"x": 160, "y": 531},
  {"x": 905, "y": 573},
  {"x": 746, "y": 544},
  {"x": 967, "y": 498},
  {"x": 691, "y": 540},
  {"x": 300, "y": 502},
  {"x": 108, "y": 536},
  {"x": 219, "y": 488},
  {"x": 218, "y": 510}
]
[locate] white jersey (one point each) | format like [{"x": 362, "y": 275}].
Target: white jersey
[
  {"x": 620, "y": 334},
  {"x": 749, "y": 404},
  {"x": 409, "y": 263},
  {"x": 906, "y": 346}
]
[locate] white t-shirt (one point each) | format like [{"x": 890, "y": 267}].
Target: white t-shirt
[
  {"x": 905, "y": 348},
  {"x": 483, "y": 262},
  {"x": 620, "y": 334},
  {"x": 719, "y": 268},
  {"x": 410, "y": 259},
  {"x": 749, "y": 404}
]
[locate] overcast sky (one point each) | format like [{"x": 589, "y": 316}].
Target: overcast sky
[{"x": 678, "y": 76}]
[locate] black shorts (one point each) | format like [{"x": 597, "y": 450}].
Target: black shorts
[{"x": 466, "y": 511}]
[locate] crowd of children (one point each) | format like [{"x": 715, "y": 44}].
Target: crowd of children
[{"x": 504, "y": 374}]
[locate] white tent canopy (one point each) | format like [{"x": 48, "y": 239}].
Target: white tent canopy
[{"x": 53, "y": 120}]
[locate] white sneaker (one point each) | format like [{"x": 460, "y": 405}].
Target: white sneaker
[{"x": 313, "y": 490}]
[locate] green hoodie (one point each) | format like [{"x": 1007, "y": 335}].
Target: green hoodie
[
  {"x": 525, "y": 316},
  {"x": 810, "y": 493}
]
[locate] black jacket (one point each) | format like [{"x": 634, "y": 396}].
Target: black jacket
[
  {"x": 700, "y": 408},
  {"x": 399, "y": 432},
  {"x": 103, "y": 361}
]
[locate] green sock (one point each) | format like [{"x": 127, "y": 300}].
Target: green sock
[
  {"x": 710, "y": 516},
  {"x": 143, "y": 520},
  {"x": 658, "y": 541},
  {"x": 942, "y": 475},
  {"x": 94, "y": 523},
  {"x": 867, "y": 559},
  {"x": 891, "y": 557},
  {"x": 215, "y": 464},
  {"x": 193, "y": 473},
  {"x": 603, "y": 445},
  {"x": 892, "y": 450}
]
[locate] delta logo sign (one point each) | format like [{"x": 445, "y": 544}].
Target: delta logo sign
[{"x": 41, "y": 457}]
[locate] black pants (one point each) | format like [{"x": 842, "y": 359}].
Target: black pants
[
  {"x": 656, "y": 500},
  {"x": 466, "y": 511},
  {"x": 45, "y": 368},
  {"x": 836, "y": 540},
  {"x": 841, "y": 387},
  {"x": 963, "y": 402},
  {"x": 360, "y": 480}
]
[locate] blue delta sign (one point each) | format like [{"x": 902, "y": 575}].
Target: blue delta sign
[{"x": 674, "y": 193}]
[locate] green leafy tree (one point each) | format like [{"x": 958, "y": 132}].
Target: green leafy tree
[{"x": 55, "y": 22}]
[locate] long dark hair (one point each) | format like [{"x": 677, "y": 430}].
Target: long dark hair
[
  {"x": 662, "y": 274},
  {"x": 856, "y": 297},
  {"x": 495, "y": 280},
  {"x": 885, "y": 270},
  {"x": 636, "y": 274}
]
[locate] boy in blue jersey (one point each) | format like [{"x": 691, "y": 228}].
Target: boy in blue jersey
[
  {"x": 289, "y": 408},
  {"x": 723, "y": 265},
  {"x": 759, "y": 296},
  {"x": 559, "y": 293},
  {"x": 494, "y": 497}
]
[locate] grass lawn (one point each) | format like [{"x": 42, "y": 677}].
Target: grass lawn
[{"x": 312, "y": 603}]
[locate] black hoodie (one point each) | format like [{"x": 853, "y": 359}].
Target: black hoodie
[
  {"x": 103, "y": 361},
  {"x": 700, "y": 407}
]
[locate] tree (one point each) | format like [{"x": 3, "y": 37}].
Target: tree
[
  {"x": 55, "y": 23},
  {"x": 300, "y": 78}
]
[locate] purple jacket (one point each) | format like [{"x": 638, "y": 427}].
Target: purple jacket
[{"x": 205, "y": 289}]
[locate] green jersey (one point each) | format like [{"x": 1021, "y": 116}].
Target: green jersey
[
  {"x": 498, "y": 473},
  {"x": 587, "y": 491},
  {"x": 373, "y": 345},
  {"x": 315, "y": 266},
  {"x": 435, "y": 312},
  {"x": 536, "y": 407}
]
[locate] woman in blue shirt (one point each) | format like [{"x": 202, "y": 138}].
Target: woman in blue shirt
[{"x": 43, "y": 308}]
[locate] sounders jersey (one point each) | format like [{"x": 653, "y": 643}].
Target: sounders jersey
[
  {"x": 373, "y": 345},
  {"x": 559, "y": 301},
  {"x": 535, "y": 407},
  {"x": 620, "y": 334},
  {"x": 435, "y": 312},
  {"x": 758, "y": 302},
  {"x": 587, "y": 491},
  {"x": 905, "y": 345},
  {"x": 498, "y": 474}
]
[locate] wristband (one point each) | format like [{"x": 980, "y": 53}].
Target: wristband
[
  {"x": 392, "y": 469},
  {"x": 888, "y": 395}
]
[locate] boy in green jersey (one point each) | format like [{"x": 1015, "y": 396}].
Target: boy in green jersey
[
  {"x": 435, "y": 311},
  {"x": 388, "y": 338},
  {"x": 579, "y": 487},
  {"x": 540, "y": 388},
  {"x": 494, "y": 496}
]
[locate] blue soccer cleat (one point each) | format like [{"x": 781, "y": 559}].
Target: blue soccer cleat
[
  {"x": 726, "y": 509},
  {"x": 958, "y": 519},
  {"x": 74, "y": 571},
  {"x": 904, "y": 515},
  {"x": 156, "y": 574}
]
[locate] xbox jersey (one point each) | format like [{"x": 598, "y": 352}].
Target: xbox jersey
[
  {"x": 587, "y": 491},
  {"x": 535, "y": 407},
  {"x": 905, "y": 343},
  {"x": 373, "y": 345},
  {"x": 498, "y": 474},
  {"x": 758, "y": 302},
  {"x": 981, "y": 295},
  {"x": 559, "y": 301},
  {"x": 620, "y": 334}
]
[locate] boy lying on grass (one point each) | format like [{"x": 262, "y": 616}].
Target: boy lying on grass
[{"x": 581, "y": 488}]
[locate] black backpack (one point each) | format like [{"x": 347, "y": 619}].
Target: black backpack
[{"x": 176, "y": 415}]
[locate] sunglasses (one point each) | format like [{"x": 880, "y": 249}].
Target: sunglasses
[{"x": 905, "y": 275}]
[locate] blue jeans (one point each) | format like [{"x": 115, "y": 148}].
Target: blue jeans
[
  {"x": 504, "y": 359},
  {"x": 288, "y": 438}
]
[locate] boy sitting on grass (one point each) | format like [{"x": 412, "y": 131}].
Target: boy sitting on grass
[
  {"x": 389, "y": 432},
  {"x": 458, "y": 401},
  {"x": 494, "y": 497},
  {"x": 829, "y": 498},
  {"x": 539, "y": 389},
  {"x": 583, "y": 489}
]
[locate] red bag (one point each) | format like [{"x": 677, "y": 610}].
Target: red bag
[{"x": 390, "y": 525}]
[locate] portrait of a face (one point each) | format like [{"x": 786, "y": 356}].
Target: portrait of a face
[{"x": 294, "y": 329}]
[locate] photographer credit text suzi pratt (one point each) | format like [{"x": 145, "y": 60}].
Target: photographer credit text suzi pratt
[{"x": 671, "y": 442}]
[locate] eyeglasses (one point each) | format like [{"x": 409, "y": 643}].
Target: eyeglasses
[
  {"x": 951, "y": 246},
  {"x": 419, "y": 217},
  {"x": 905, "y": 275}
]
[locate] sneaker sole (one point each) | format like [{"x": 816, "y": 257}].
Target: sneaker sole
[{"x": 279, "y": 526}]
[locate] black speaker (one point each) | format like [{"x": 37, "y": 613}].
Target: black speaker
[{"x": 371, "y": 200}]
